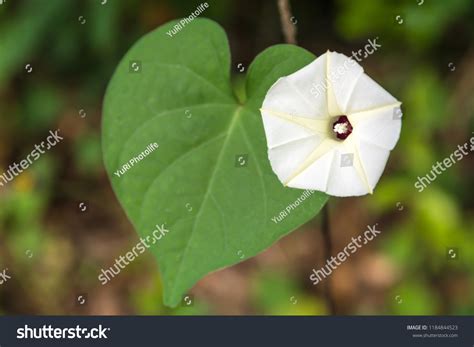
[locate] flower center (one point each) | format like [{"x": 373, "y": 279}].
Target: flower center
[{"x": 342, "y": 127}]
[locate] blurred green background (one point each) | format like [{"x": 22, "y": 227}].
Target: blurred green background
[{"x": 54, "y": 251}]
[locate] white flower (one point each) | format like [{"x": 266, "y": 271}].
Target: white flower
[{"x": 330, "y": 127}]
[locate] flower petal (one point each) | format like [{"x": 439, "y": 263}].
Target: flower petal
[
  {"x": 342, "y": 73},
  {"x": 316, "y": 176},
  {"x": 345, "y": 176},
  {"x": 369, "y": 95},
  {"x": 286, "y": 159},
  {"x": 374, "y": 159},
  {"x": 324, "y": 147},
  {"x": 381, "y": 126},
  {"x": 296, "y": 94},
  {"x": 280, "y": 131}
]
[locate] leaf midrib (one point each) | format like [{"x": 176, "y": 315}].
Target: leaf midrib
[
  {"x": 229, "y": 132},
  {"x": 257, "y": 165},
  {"x": 171, "y": 164}
]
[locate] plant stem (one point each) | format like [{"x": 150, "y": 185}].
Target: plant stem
[
  {"x": 326, "y": 233},
  {"x": 289, "y": 29}
]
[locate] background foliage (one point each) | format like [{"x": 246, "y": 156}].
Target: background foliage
[{"x": 405, "y": 271}]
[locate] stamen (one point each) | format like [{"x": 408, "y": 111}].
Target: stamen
[{"x": 342, "y": 127}]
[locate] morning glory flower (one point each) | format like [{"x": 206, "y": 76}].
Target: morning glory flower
[{"x": 330, "y": 127}]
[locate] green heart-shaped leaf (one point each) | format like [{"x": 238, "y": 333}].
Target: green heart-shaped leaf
[{"x": 210, "y": 181}]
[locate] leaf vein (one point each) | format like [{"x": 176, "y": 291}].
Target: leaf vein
[{"x": 207, "y": 194}]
